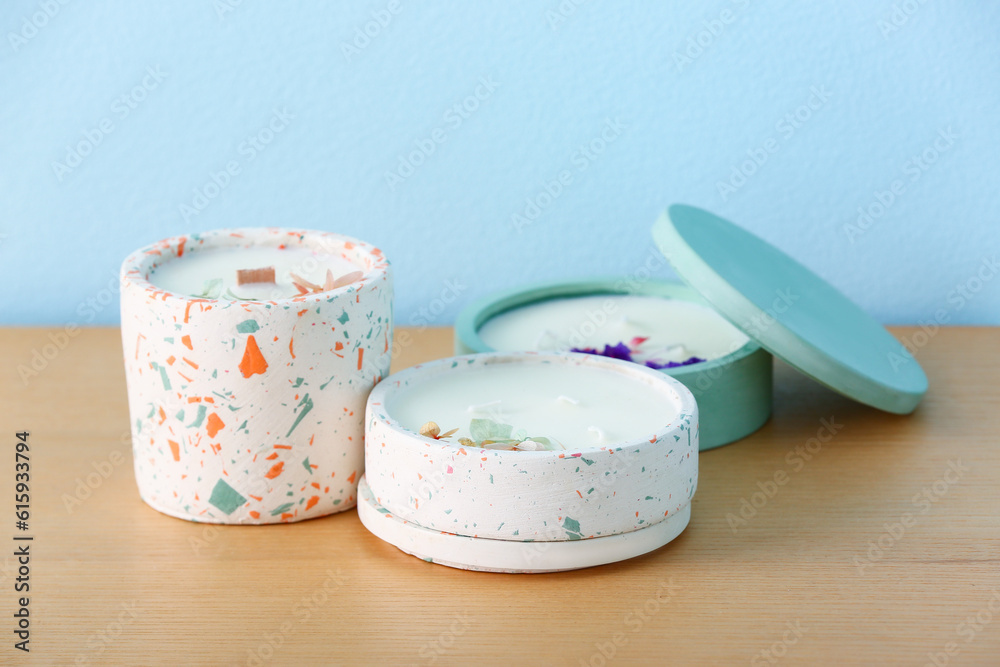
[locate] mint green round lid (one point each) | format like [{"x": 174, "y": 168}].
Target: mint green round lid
[{"x": 789, "y": 310}]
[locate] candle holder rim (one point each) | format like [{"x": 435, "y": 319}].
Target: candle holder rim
[
  {"x": 684, "y": 400},
  {"x": 471, "y": 319},
  {"x": 135, "y": 268}
]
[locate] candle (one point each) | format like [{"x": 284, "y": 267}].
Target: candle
[
  {"x": 580, "y": 405},
  {"x": 251, "y": 411},
  {"x": 215, "y": 272},
  {"x": 618, "y": 432},
  {"x": 618, "y": 455},
  {"x": 661, "y": 325},
  {"x": 655, "y": 329}
]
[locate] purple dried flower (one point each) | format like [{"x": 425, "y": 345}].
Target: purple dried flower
[
  {"x": 624, "y": 352},
  {"x": 675, "y": 364},
  {"x": 619, "y": 351}
]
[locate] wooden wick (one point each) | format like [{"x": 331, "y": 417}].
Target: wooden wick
[{"x": 265, "y": 275}]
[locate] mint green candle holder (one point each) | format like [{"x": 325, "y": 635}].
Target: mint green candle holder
[{"x": 733, "y": 391}]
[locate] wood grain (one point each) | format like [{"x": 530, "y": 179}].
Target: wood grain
[{"x": 114, "y": 582}]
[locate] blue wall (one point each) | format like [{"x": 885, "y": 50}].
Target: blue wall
[{"x": 632, "y": 105}]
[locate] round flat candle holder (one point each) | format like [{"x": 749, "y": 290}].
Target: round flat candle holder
[
  {"x": 528, "y": 511},
  {"x": 252, "y": 412},
  {"x": 733, "y": 391}
]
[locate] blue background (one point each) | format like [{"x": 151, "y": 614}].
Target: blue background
[{"x": 692, "y": 93}]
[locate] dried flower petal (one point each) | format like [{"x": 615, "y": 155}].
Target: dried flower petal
[
  {"x": 347, "y": 279},
  {"x": 430, "y": 430},
  {"x": 299, "y": 280}
]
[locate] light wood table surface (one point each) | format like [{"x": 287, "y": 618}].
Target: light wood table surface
[{"x": 804, "y": 579}]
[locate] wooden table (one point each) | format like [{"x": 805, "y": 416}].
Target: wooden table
[{"x": 880, "y": 547}]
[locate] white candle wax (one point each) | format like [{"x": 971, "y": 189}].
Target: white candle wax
[
  {"x": 189, "y": 274},
  {"x": 577, "y": 406},
  {"x": 676, "y": 329}
]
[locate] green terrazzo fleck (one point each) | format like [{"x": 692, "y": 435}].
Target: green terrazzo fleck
[
  {"x": 202, "y": 410},
  {"x": 572, "y": 528},
  {"x": 306, "y": 404},
  {"x": 284, "y": 508},
  {"x": 225, "y": 497},
  {"x": 248, "y": 327},
  {"x": 163, "y": 375}
]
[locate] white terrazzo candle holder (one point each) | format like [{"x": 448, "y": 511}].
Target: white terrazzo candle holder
[
  {"x": 251, "y": 412},
  {"x": 528, "y": 511}
]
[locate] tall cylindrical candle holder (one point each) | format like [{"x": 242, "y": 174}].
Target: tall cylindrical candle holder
[{"x": 248, "y": 407}]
